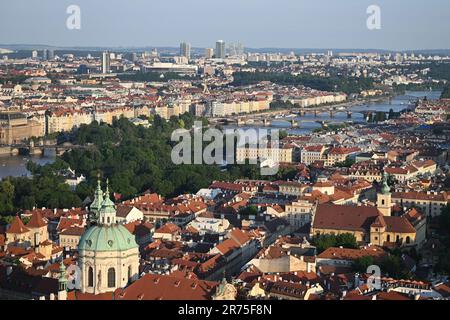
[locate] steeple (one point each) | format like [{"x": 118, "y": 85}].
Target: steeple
[
  {"x": 107, "y": 212},
  {"x": 384, "y": 201},
  {"x": 385, "y": 189},
  {"x": 62, "y": 282},
  {"x": 98, "y": 199}
]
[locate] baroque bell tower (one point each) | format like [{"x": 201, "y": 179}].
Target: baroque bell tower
[{"x": 384, "y": 201}]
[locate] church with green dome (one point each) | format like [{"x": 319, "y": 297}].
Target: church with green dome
[{"x": 108, "y": 254}]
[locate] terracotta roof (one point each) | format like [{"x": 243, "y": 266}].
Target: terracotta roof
[
  {"x": 168, "y": 228},
  {"x": 160, "y": 287},
  {"x": 122, "y": 211},
  {"x": 65, "y": 223},
  {"x": 392, "y": 295},
  {"x": 36, "y": 221},
  {"x": 73, "y": 231},
  {"x": 345, "y": 217},
  {"x": 398, "y": 225},
  {"x": 17, "y": 226},
  {"x": 351, "y": 254}
]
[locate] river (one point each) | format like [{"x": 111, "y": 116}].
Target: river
[
  {"x": 16, "y": 165},
  {"x": 309, "y": 122}
]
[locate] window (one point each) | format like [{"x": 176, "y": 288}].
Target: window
[
  {"x": 382, "y": 202},
  {"x": 90, "y": 277},
  {"x": 408, "y": 239},
  {"x": 129, "y": 272},
  {"x": 111, "y": 278}
]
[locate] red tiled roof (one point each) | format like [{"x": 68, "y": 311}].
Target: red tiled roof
[
  {"x": 351, "y": 254},
  {"x": 345, "y": 217},
  {"x": 17, "y": 226},
  {"x": 160, "y": 287},
  {"x": 36, "y": 221}
]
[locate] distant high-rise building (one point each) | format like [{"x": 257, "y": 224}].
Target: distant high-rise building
[
  {"x": 209, "y": 52},
  {"x": 185, "y": 50},
  {"x": 51, "y": 54},
  {"x": 220, "y": 49},
  {"x": 45, "y": 54},
  {"x": 106, "y": 62},
  {"x": 134, "y": 57},
  {"x": 34, "y": 54},
  {"x": 240, "y": 49}
]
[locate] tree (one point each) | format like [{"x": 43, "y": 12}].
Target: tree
[
  {"x": 249, "y": 210},
  {"x": 6, "y": 197},
  {"x": 361, "y": 264},
  {"x": 325, "y": 241},
  {"x": 392, "y": 266}
]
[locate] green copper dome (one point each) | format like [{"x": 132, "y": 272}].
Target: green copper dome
[{"x": 107, "y": 238}]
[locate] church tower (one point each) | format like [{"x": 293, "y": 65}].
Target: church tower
[
  {"x": 107, "y": 212},
  {"x": 62, "y": 282},
  {"x": 97, "y": 203},
  {"x": 108, "y": 255},
  {"x": 384, "y": 202}
]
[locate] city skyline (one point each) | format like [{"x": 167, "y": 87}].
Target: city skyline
[{"x": 291, "y": 25}]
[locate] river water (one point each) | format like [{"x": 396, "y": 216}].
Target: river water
[
  {"x": 16, "y": 165},
  {"x": 309, "y": 122}
]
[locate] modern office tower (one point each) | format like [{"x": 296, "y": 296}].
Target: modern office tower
[
  {"x": 82, "y": 69},
  {"x": 240, "y": 49},
  {"x": 51, "y": 54},
  {"x": 34, "y": 54},
  {"x": 220, "y": 49},
  {"x": 106, "y": 62},
  {"x": 45, "y": 54},
  {"x": 134, "y": 57},
  {"x": 185, "y": 50},
  {"x": 398, "y": 58},
  {"x": 209, "y": 52},
  {"x": 231, "y": 49}
]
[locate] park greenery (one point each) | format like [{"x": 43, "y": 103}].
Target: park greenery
[
  {"x": 134, "y": 159},
  {"x": 446, "y": 92},
  {"x": 443, "y": 265},
  {"x": 325, "y": 241},
  {"x": 333, "y": 83},
  {"x": 152, "y": 77}
]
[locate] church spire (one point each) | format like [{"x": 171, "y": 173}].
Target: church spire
[
  {"x": 98, "y": 199},
  {"x": 385, "y": 189},
  {"x": 107, "y": 212}
]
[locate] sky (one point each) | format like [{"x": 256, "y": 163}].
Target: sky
[{"x": 405, "y": 24}]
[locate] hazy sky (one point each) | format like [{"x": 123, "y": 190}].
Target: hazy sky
[{"x": 405, "y": 24}]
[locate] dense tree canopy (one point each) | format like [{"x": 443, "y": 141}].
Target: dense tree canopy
[
  {"x": 332, "y": 83},
  {"x": 325, "y": 241}
]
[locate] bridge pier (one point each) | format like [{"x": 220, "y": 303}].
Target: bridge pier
[
  {"x": 331, "y": 113},
  {"x": 294, "y": 123},
  {"x": 349, "y": 114},
  {"x": 266, "y": 123}
]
